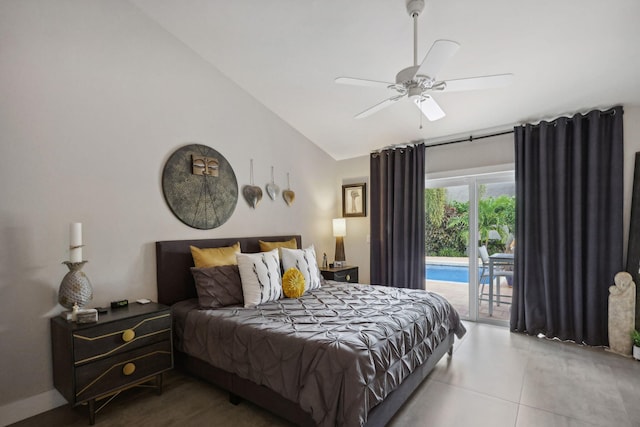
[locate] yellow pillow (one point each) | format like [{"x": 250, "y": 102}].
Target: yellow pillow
[
  {"x": 269, "y": 246},
  {"x": 215, "y": 257},
  {"x": 293, "y": 283}
]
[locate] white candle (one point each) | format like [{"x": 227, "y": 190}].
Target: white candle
[{"x": 75, "y": 242}]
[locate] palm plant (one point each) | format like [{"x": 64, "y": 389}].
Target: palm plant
[{"x": 495, "y": 214}]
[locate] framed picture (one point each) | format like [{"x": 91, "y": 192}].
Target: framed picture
[{"x": 354, "y": 200}]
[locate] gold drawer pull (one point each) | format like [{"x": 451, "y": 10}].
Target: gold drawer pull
[
  {"x": 129, "y": 368},
  {"x": 348, "y": 277},
  {"x": 128, "y": 335}
]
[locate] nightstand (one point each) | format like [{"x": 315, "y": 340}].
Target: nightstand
[
  {"x": 127, "y": 346},
  {"x": 347, "y": 273}
]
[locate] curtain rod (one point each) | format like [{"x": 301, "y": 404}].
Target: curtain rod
[{"x": 471, "y": 138}]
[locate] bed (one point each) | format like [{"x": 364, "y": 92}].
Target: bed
[{"x": 344, "y": 354}]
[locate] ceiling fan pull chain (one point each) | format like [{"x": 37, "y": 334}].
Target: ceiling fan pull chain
[
  {"x": 251, "y": 172},
  {"x": 420, "y": 114}
]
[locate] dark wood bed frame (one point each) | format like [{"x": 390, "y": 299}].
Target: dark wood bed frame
[{"x": 175, "y": 283}]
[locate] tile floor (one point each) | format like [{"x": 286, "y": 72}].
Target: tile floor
[
  {"x": 497, "y": 378},
  {"x": 494, "y": 379}
]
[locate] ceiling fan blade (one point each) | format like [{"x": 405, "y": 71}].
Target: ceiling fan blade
[
  {"x": 379, "y": 106},
  {"x": 441, "y": 51},
  {"x": 475, "y": 83},
  {"x": 361, "y": 82},
  {"x": 429, "y": 108}
]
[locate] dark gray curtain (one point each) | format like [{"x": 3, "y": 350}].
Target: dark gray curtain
[
  {"x": 397, "y": 217},
  {"x": 569, "y": 229}
]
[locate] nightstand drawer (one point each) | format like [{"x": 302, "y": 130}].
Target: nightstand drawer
[
  {"x": 341, "y": 274},
  {"x": 346, "y": 276},
  {"x": 107, "y": 375},
  {"x": 120, "y": 336}
]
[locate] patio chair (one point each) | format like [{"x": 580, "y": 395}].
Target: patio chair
[{"x": 484, "y": 278}]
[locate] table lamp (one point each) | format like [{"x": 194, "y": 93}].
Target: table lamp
[{"x": 339, "y": 231}]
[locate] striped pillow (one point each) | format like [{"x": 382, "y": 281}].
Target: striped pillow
[
  {"x": 260, "y": 276},
  {"x": 305, "y": 261}
]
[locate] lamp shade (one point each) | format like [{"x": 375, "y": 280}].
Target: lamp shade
[{"x": 339, "y": 227}]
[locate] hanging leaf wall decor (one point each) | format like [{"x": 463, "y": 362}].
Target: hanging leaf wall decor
[
  {"x": 252, "y": 193},
  {"x": 288, "y": 195},
  {"x": 272, "y": 189}
]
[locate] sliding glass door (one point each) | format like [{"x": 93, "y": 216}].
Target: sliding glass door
[
  {"x": 469, "y": 234},
  {"x": 496, "y": 224},
  {"x": 447, "y": 261}
]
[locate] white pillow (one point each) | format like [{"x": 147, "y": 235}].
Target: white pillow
[
  {"x": 305, "y": 261},
  {"x": 260, "y": 276}
]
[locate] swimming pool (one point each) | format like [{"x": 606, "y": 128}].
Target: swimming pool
[{"x": 448, "y": 273}]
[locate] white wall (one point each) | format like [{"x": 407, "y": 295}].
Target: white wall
[
  {"x": 491, "y": 154},
  {"x": 356, "y": 243},
  {"x": 94, "y": 97}
]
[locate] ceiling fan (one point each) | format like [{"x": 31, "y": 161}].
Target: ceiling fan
[{"x": 417, "y": 81}]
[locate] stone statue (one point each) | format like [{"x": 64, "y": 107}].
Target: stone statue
[{"x": 622, "y": 309}]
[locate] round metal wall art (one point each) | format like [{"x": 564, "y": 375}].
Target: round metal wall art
[{"x": 200, "y": 186}]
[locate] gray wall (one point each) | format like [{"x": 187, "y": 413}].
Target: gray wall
[{"x": 94, "y": 97}]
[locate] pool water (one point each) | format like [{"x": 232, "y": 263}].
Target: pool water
[{"x": 448, "y": 273}]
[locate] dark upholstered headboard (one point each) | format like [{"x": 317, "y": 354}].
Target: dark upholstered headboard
[{"x": 174, "y": 260}]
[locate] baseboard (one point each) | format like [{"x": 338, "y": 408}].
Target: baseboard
[{"x": 34, "y": 405}]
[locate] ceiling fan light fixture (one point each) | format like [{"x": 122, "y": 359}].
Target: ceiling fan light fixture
[
  {"x": 416, "y": 81},
  {"x": 415, "y": 93},
  {"x": 429, "y": 108}
]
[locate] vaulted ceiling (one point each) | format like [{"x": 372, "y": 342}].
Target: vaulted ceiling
[{"x": 566, "y": 56}]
